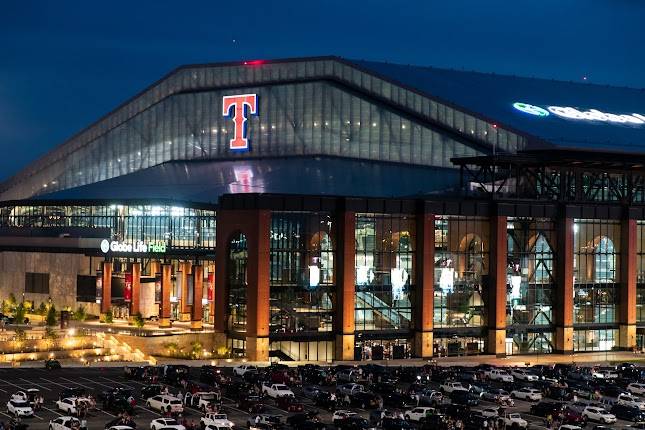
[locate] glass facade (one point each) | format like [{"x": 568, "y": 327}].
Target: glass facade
[
  {"x": 181, "y": 118},
  {"x": 596, "y": 282},
  {"x": 302, "y": 273},
  {"x": 640, "y": 273},
  {"x": 238, "y": 256},
  {"x": 530, "y": 284},
  {"x": 385, "y": 275},
  {"x": 461, "y": 263},
  {"x": 179, "y": 227}
]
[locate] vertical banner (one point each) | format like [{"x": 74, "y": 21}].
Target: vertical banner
[
  {"x": 99, "y": 287},
  {"x": 157, "y": 289},
  {"x": 127, "y": 290},
  {"x": 190, "y": 280},
  {"x": 211, "y": 286}
]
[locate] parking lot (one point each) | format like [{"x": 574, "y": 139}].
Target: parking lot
[{"x": 96, "y": 380}]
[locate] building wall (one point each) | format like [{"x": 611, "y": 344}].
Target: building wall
[{"x": 62, "y": 268}]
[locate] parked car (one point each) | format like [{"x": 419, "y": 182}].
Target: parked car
[
  {"x": 628, "y": 413},
  {"x": 631, "y": 400},
  {"x": 450, "y": 386},
  {"x": 523, "y": 375},
  {"x": 165, "y": 403},
  {"x": 166, "y": 424},
  {"x": 51, "y": 364},
  {"x": 64, "y": 423},
  {"x": 219, "y": 420},
  {"x": 419, "y": 413},
  {"x": 459, "y": 397},
  {"x": 251, "y": 404},
  {"x": 530, "y": 394},
  {"x": 594, "y": 413},
  {"x": 243, "y": 369},
  {"x": 276, "y": 390},
  {"x": 19, "y": 408},
  {"x": 289, "y": 404}
]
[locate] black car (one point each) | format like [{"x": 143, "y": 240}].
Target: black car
[
  {"x": 324, "y": 400},
  {"x": 353, "y": 423},
  {"x": 383, "y": 387},
  {"x": 151, "y": 391},
  {"x": 435, "y": 422},
  {"x": 364, "y": 399},
  {"x": 455, "y": 411},
  {"x": 252, "y": 404},
  {"x": 395, "y": 424},
  {"x": 398, "y": 401},
  {"x": 558, "y": 393},
  {"x": 544, "y": 409},
  {"x": 118, "y": 405},
  {"x": 476, "y": 422},
  {"x": 52, "y": 364},
  {"x": 71, "y": 392},
  {"x": 628, "y": 413},
  {"x": 461, "y": 397}
]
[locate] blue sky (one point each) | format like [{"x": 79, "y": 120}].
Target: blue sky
[{"x": 64, "y": 64}]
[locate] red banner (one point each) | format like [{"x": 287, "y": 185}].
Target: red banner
[
  {"x": 211, "y": 286},
  {"x": 127, "y": 291},
  {"x": 99, "y": 287}
]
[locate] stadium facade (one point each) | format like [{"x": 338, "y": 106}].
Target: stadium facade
[{"x": 323, "y": 208}]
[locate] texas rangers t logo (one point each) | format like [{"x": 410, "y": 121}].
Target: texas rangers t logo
[{"x": 241, "y": 105}]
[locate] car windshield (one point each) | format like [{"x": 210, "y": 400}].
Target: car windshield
[
  {"x": 208, "y": 396},
  {"x": 175, "y": 402},
  {"x": 20, "y": 404},
  {"x": 219, "y": 417}
]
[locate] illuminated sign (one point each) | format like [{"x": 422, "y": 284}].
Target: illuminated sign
[
  {"x": 568, "y": 112},
  {"x": 238, "y": 107},
  {"x": 156, "y": 246}
]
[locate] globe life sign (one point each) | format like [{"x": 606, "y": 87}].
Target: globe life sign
[
  {"x": 568, "y": 112},
  {"x": 157, "y": 247}
]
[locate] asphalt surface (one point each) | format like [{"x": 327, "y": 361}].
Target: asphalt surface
[{"x": 97, "y": 380}]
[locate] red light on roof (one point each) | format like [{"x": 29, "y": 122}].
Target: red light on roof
[
  {"x": 494, "y": 125},
  {"x": 254, "y": 63}
]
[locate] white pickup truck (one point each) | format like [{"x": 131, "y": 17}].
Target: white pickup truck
[
  {"x": 277, "y": 390},
  {"x": 450, "y": 386},
  {"x": 216, "y": 420},
  {"x": 163, "y": 403},
  {"x": 515, "y": 421}
]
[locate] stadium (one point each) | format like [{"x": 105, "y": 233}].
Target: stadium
[{"x": 330, "y": 209}]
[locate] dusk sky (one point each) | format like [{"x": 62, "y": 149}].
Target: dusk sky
[{"x": 65, "y": 64}]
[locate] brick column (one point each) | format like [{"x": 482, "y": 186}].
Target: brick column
[
  {"x": 424, "y": 305},
  {"x": 497, "y": 287},
  {"x": 136, "y": 289},
  {"x": 255, "y": 224},
  {"x": 628, "y": 268},
  {"x": 345, "y": 286},
  {"x": 198, "y": 292},
  {"x": 166, "y": 289},
  {"x": 154, "y": 268},
  {"x": 106, "y": 298},
  {"x": 563, "y": 300},
  {"x": 184, "y": 312},
  {"x": 257, "y": 295}
]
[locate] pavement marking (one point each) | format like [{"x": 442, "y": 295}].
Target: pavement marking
[
  {"x": 6, "y": 415},
  {"x": 4, "y": 391},
  {"x": 78, "y": 383},
  {"x": 55, "y": 383},
  {"x": 17, "y": 386},
  {"x": 97, "y": 383},
  {"x": 105, "y": 412},
  {"x": 40, "y": 418},
  {"x": 117, "y": 382},
  {"x": 56, "y": 412},
  {"x": 37, "y": 385},
  {"x": 149, "y": 410}
]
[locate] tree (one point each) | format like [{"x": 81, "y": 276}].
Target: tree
[
  {"x": 19, "y": 313},
  {"x": 80, "y": 314},
  {"x": 51, "y": 336},
  {"x": 50, "y": 320},
  {"x": 11, "y": 301},
  {"x": 109, "y": 317},
  {"x": 42, "y": 309}
]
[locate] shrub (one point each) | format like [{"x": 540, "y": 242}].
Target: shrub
[
  {"x": 80, "y": 314},
  {"x": 50, "y": 320},
  {"x": 109, "y": 317},
  {"x": 51, "y": 336},
  {"x": 138, "y": 320},
  {"x": 11, "y": 302},
  {"x": 19, "y": 334}
]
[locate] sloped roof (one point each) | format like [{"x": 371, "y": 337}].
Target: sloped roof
[
  {"x": 492, "y": 96},
  {"x": 205, "y": 181}
]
